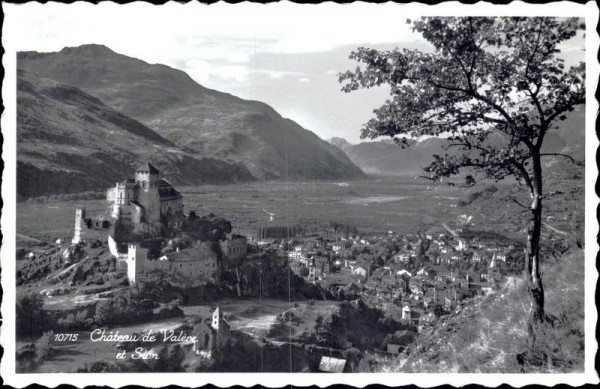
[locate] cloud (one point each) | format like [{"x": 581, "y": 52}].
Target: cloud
[{"x": 304, "y": 79}]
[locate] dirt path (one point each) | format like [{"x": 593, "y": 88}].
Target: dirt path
[
  {"x": 449, "y": 229},
  {"x": 556, "y": 230},
  {"x": 67, "y": 269}
]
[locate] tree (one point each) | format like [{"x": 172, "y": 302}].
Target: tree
[
  {"x": 494, "y": 87},
  {"x": 31, "y": 318},
  {"x": 438, "y": 310}
]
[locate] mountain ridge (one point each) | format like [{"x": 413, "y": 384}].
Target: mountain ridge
[
  {"x": 209, "y": 122},
  {"x": 384, "y": 157},
  {"x": 69, "y": 141}
]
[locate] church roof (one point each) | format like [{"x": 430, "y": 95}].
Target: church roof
[{"x": 147, "y": 167}]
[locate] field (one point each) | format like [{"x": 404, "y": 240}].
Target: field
[
  {"x": 403, "y": 205},
  {"x": 374, "y": 205}
]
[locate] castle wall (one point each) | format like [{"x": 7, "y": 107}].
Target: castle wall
[
  {"x": 174, "y": 205},
  {"x": 136, "y": 263},
  {"x": 112, "y": 247},
  {"x": 203, "y": 268}
]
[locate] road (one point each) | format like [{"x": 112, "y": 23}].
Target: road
[{"x": 451, "y": 231}]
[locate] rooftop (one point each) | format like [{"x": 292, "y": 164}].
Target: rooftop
[
  {"x": 147, "y": 167},
  {"x": 332, "y": 365}
]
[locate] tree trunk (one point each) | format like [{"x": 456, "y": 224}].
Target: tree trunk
[
  {"x": 536, "y": 287},
  {"x": 238, "y": 284}
]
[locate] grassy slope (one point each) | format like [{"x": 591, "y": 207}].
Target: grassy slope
[
  {"x": 69, "y": 141},
  {"x": 204, "y": 121},
  {"x": 487, "y": 336}
]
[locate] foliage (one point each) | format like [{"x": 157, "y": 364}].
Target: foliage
[
  {"x": 43, "y": 346},
  {"x": 124, "y": 308},
  {"x": 207, "y": 228},
  {"x": 497, "y": 74},
  {"x": 75, "y": 321},
  {"x": 438, "y": 310},
  {"x": 491, "y": 335},
  {"x": 494, "y": 87},
  {"x": 169, "y": 311},
  {"x": 31, "y": 319}
]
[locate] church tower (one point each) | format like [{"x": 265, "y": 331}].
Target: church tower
[
  {"x": 147, "y": 176},
  {"x": 217, "y": 319}
]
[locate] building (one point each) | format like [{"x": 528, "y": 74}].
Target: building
[
  {"x": 410, "y": 315},
  {"x": 400, "y": 340},
  {"x": 79, "y": 220},
  {"x": 210, "y": 339},
  {"x": 360, "y": 271},
  {"x": 234, "y": 247},
  {"x": 86, "y": 227},
  {"x": 192, "y": 266},
  {"x": 332, "y": 365},
  {"x": 146, "y": 200}
]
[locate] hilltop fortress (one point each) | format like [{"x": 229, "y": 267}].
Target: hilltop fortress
[
  {"x": 146, "y": 200},
  {"x": 145, "y": 208}
]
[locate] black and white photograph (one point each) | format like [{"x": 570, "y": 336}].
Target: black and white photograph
[{"x": 288, "y": 188}]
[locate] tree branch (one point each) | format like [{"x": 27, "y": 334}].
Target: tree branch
[
  {"x": 524, "y": 173},
  {"x": 518, "y": 203}
]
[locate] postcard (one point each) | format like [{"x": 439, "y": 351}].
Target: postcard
[{"x": 241, "y": 194}]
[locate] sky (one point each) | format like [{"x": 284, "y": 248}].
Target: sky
[{"x": 287, "y": 57}]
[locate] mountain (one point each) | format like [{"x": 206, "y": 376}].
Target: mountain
[
  {"x": 197, "y": 119},
  {"x": 69, "y": 141},
  {"x": 387, "y": 158},
  {"x": 339, "y": 142}
]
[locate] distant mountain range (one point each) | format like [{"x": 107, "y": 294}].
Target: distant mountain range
[
  {"x": 87, "y": 116},
  {"x": 387, "y": 158}
]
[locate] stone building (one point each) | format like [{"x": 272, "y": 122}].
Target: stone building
[
  {"x": 146, "y": 200},
  {"x": 214, "y": 337},
  {"x": 234, "y": 247},
  {"x": 195, "y": 265}
]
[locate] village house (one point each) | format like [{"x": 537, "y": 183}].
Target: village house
[
  {"x": 411, "y": 315},
  {"x": 332, "y": 365},
  {"x": 296, "y": 267},
  {"x": 361, "y": 271},
  {"x": 297, "y": 256},
  {"x": 399, "y": 341}
]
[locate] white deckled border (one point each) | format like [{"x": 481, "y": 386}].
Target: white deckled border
[{"x": 11, "y": 45}]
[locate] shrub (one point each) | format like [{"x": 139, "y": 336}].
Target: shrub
[{"x": 43, "y": 346}]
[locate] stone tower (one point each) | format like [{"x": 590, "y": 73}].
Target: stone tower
[
  {"x": 217, "y": 319},
  {"x": 79, "y": 220},
  {"x": 221, "y": 327},
  {"x": 147, "y": 176}
]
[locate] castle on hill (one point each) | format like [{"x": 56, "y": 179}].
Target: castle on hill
[
  {"x": 147, "y": 201},
  {"x": 145, "y": 205}
]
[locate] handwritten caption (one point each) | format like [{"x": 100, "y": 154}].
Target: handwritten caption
[{"x": 124, "y": 341}]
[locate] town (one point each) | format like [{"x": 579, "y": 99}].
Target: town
[
  {"x": 415, "y": 278},
  {"x": 420, "y": 276}
]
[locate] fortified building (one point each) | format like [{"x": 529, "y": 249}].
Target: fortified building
[
  {"x": 145, "y": 205},
  {"x": 146, "y": 200}
]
